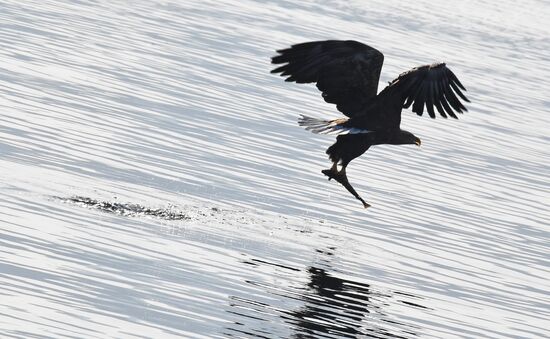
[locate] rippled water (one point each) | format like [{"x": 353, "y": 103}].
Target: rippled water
[{"x": 167, "y": 108}]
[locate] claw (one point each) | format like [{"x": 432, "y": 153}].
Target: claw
[
  {"x": 332, "y": 172},
  {"x": 329, "y": 173}
]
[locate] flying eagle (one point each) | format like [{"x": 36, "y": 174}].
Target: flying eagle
[{"x": 347, "y": 74}]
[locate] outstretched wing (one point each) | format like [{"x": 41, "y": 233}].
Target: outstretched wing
[
  {"x": 430, "y": 86},
  {"x": 346, "y": 72}
]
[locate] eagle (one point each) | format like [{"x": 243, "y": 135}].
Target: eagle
[{"x": 347, "y": 74}]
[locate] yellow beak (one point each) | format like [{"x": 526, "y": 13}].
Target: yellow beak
[{"x": 418, "y": 142}]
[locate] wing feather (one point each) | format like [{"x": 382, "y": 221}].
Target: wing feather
[
  {"x": 430, "y": 86},
  {"x": 430, "y": 100},
  {"x": 457, "y": 90}
]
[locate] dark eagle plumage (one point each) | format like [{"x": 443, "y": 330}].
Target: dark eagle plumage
[{"x": 347, "y": 74}]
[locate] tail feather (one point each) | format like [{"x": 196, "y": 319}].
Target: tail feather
[{"x": 331, "y": 127}]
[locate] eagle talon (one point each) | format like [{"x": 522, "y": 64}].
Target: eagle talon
[
  {"x": 342, "y": 179},
  {"x": 330, "y": 174}
]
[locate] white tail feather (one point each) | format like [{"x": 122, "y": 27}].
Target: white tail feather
[{"x": 330, "y": 127}]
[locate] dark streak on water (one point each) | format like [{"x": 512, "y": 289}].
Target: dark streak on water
[
  {"x": 127, "y": 209},
  {"x": 258, "y": 261}
]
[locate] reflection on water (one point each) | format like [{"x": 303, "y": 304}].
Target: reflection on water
[{"x": 328, "y": 307}]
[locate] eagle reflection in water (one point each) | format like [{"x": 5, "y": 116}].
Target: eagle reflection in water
[
  {"x": 338, "y": 308},
  {"x": 331, "y": 308}
]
